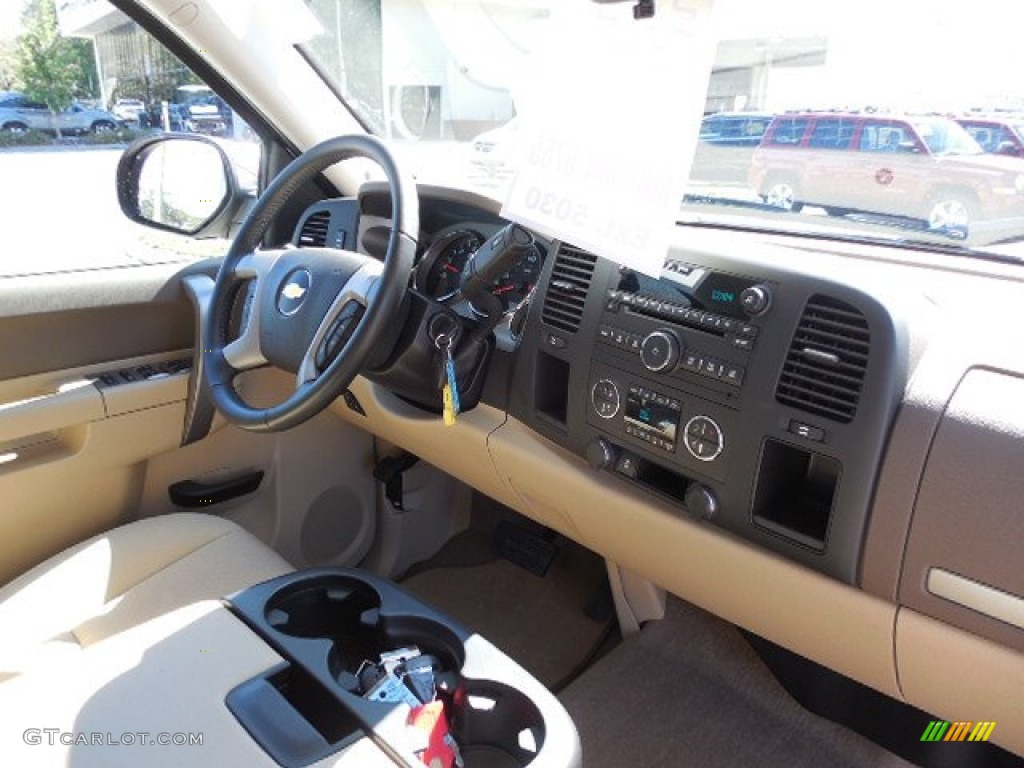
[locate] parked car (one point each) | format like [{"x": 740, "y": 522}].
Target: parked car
[
  {"x": 997, "y": 135},
  {"x": 203, "y": 111},
  {"x": 926, "y": 168},
  {"x": 19, "y": 114},
  {"x": 726, "y": 145},
  {"x": 130, "y": 111}
]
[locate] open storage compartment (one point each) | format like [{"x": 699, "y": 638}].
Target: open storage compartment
[
  {"x": 795, "y": 492},
  {"x": 333, "y": 625}
]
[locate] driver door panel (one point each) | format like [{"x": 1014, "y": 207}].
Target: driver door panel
[{"x": 78, "y": 456}]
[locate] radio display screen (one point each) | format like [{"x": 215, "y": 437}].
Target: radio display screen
[
  {"x": 643, "y": 410},
  {"x": 721, "y": 293}
]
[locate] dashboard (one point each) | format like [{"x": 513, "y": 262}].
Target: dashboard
[
  {"x": 806, "y": 437},
  {"x": 753, "y": 398},
  {"x": 758, "y": 401}
]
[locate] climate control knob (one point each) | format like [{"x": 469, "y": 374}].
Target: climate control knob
[
  {"x": 600, "y": 454},
  {"x": 660, "y": 351},
  {"x": 604, "y": 396}
]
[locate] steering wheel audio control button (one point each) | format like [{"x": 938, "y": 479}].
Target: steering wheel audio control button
[
  {"x": 659, "y": 351},
  {"x": 341, "y": 331}
]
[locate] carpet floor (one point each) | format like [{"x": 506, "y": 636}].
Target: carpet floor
[
  {"x": 537, "y": 621},
  {"x": 689, "y": 691}
]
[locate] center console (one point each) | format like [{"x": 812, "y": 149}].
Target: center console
[
  {"x": 751, "y": 398},
  {"x": 334, "y": 627}
]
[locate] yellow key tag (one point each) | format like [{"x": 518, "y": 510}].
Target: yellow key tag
[{"x": 449, "y": 406}]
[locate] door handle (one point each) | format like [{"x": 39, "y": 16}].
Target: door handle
[{"x": 192, "y": 494}]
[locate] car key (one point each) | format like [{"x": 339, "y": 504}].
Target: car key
[{"x": 450, "y": 391}]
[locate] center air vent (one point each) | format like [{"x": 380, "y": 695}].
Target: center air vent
[
  {"x": 314, "y": 230},
  {"x": 825, "y": 367},
  {"x": 567, "y": 289}
]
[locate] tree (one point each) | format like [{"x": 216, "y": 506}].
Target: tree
[
  {"x": 7, "y": 65},
  {"x": 51, "y": 69}
]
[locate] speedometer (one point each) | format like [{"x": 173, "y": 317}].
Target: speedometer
[
  {"x": 514, "y": 286},
  {"x": 440, "y": 272}
]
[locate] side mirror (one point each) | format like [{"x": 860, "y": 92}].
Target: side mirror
[{"x": 182, "y": 184}]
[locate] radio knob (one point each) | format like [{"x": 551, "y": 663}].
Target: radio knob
[
  {"x": 756, "y": 300},
  {"x": 700, "y": 502},
  {"x": 660, "y": 351}
]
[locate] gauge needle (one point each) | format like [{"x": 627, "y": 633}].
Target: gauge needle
[
  {"x": 451, "y": 268},
  {"x": 503, "y": 289}
]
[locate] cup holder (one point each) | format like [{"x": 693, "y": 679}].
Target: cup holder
[
  {"x": 496, "y": 725},
  {"x": 347, "y": 613},
  {"x": 320, "y": 609},
  {"x": 333, "y": 626}
]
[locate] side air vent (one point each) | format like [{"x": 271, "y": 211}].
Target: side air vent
[
  {"x": 567, "y": 289},
  {"x": 314, "y": 230},
  {"x": 825, "y": 367}
]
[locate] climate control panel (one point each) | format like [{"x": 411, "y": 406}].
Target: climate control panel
[{"x": 669, "y": 426}]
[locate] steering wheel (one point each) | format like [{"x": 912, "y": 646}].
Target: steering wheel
[{"x": 317, "y": 313}]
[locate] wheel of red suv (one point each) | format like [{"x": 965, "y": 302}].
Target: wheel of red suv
[
  {"x": 15, "y": 127},
  {"x": 102, "y": 126},
  {"x": 951, "y": 213},
  {"x": 780, "y": 192}
]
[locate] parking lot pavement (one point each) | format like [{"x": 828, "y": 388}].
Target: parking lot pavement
[{"x": 60, "y": 210}]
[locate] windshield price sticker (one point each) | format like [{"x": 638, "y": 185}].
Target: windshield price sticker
[
  {"x": 611, "y": 232},
  {"x": 595, "y": 177}
]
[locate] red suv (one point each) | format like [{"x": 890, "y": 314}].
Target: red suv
[{"x": 926, "y": 168}]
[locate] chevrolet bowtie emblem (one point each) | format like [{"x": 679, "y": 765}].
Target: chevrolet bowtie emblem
[{"x": 292, "y": 291}]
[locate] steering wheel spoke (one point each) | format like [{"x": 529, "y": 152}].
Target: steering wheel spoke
[
  {"x": 245, "y": 353},
  {"x": 340, "y": 321}
]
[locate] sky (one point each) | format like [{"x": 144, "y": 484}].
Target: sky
[{"x": 10, "y": 15}]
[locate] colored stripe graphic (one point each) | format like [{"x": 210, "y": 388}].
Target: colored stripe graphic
[
  {"x": 958, "y": 731},
  {"x": 982, "y": 731},
  {"x": 942, "y": 730},
  {"x": 935, "y": 730}
]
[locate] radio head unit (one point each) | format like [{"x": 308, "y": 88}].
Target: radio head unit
[{"x": 700, "y": 288}]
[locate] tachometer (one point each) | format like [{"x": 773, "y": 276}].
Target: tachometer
[
  {"x": 514, "y": 286},
  {"x": 440, "y": 271}
]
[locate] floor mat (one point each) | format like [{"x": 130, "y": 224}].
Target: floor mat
[
  {"x": 688, "y": 690},
  {"x": 539, "y": 622}
]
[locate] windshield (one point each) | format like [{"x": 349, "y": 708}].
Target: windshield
[{"x": 799, "y": 118}]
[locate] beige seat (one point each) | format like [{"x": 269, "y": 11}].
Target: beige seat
[
  {"x": 124, "y": 636},
  {"x": 123, "y": 578}
]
